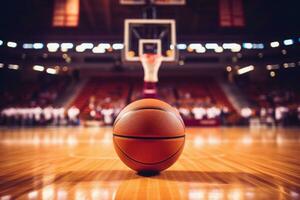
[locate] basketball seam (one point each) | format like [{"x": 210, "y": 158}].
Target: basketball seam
[
  {"x": 147, "y": 138},
  {"x": 181, "y": 147},
  {"x": 150, "y": 108}
]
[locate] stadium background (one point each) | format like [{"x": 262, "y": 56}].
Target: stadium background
[{"x": 61, "y": 63}]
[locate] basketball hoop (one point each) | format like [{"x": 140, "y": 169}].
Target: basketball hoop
[{"x": 151, "y": 64}]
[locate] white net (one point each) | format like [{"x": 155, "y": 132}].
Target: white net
[{"x": 151, "y": 64}]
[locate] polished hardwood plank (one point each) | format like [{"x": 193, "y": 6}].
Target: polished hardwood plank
[{"x": 217, "y": 163}]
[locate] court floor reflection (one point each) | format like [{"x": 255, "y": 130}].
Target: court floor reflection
[{"x": 80, "y": 163}]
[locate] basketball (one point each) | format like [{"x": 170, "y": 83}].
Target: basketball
[{"x": 149, "y": 135}]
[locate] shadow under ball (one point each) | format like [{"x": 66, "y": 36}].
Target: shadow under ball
[{"x": 149, "y": 135}]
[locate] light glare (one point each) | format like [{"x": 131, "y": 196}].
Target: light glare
[
  {"x": 248, "y": 45},
  {"x": 27, "y": 46},
  {"x": 211, "y": 46},
  {"x": 87, "y": 45},
  {"x": 98, "y": 50},
  {"x": 12, "y": 44},
  {"x": 219, "y": 49},
  {"x": 288, "y": 42},
  {"x": 274, "y": 44},
  {"x": 52, "y": 47},
  {"x": 38, "y": 45},
  {"x": 181, "y": 46},
  {"x": 51, "y": 71},
  {"x": 38, "y": 68},
  {"x": 104, "y": 45},
  {"x": 117, "y": 46},
  {"x": 13, "y": 66},
  {"x": 245, "y": 69}
]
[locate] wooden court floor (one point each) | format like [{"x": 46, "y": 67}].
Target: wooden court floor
[{"x": 218, "y": 163}]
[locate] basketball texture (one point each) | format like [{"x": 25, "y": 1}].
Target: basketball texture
[{"x": 149, "y": 135}]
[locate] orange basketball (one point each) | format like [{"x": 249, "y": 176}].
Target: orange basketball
[{"x": 149, "y": 135}]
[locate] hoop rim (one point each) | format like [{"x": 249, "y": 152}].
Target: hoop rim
[{"x": 145, "y": 58}]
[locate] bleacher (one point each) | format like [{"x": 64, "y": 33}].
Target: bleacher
[
  {"x": 100, "y": 95},
  {"x": 112, "y": 94}
]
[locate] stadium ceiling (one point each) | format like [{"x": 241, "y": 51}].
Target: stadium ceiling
[{"x": 198, "y": 19}]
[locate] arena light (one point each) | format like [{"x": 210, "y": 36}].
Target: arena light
[
  {"x": 211, "y": 46},
  {"x": 272, "y": 67},
  {"x": 66, "y": 46},
  {"x": 171, "y": 46},
  {"x": 12, "y": 44},
  {"x": 27, "y": 46},
  {"x": 234, "y": 47},
  {"x": 118, "y": 46},
  {"x": 13, "y": 66},
  {"x": 1, "y": 42},
  {"x": 51, "y": 71},
  {"x": 52, "y": 47},
  {"x": 272, "y": 74},
  {"x": 79, "y": 48},
  {"x": 274, "y": 44},
  {"x": 38, "y": 68},
  {"x": 84, "y": 46},
  {"x": 245, "y": 70},
  {"x": 288, "y": 42},
  {"x": 104, "y": 45},
  {"x": 1, "y": 65},
  {"x": 201, "y": 50},
  {"x": 228, "y": 68},
  {"x": 181, "y": 46},
  {"x": 258, "y": 46},
  {"x": 87, "y": 45},
  {"x": 38, "y": 45},
  {"x": 98, "y": 50},
  {"x": 219, "y": 49},
  {"x": 227, "y": 45},
  {"x": 195, "y": 46},
  {"x": 247, "y": 45},
  {"x": 288, "y": 65}
]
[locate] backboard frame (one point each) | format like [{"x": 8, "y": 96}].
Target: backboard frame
[{"x": 173, "y": 38}]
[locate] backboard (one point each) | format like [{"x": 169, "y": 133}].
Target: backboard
[
  {"x": 154, "y": 36},
  {"x": 155, "y": 2}
]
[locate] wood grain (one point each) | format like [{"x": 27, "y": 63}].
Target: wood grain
[{"x": 217, "y": 163}]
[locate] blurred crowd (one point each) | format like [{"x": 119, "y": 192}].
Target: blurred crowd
[
  {"x": 38, "y": 116},
  {"x": 32, "y": 103},
  {"x": 104, "y": 110},
  {"x": 102, "y": 100},
  {"x": 272, "y": 116},
  {"x": 200, "y": 108},
  {"x": 192, "y": 103},
  {"x": 276, "y": 107}
]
